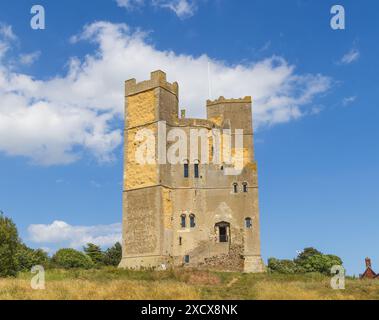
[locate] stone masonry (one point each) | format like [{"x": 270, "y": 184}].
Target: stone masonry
[{"x": 172, "y": 220}]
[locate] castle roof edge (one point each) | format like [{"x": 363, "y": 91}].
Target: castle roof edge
[{"x": 220, "y": 100}]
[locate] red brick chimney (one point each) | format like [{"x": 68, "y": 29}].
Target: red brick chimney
[{"x": 368, "y": 262}]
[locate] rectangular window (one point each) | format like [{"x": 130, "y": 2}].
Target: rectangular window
[
  {"x": 183, "y": 221},
  {"x": 223, "y": 234},
  {"x": 192, "y": 221},
  {"x": 196, "y": 168},
  {"x": 186, "y": 170},
  {"x": 186, "y": 258}
]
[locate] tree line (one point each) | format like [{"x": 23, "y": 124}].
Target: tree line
[
  {"x": 16, "y": 256},
  {"x": 309, "y": 260}
]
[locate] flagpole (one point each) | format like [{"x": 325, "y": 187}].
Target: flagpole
[{"x": 209, "y": 82}]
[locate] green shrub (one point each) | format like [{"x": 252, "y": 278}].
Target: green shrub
[
  {"x": 113, "y": 255},
  {"x": 281, "y": 266},
  {"x": 70, "y": 258},
  {"x": 9, "y": 243},
  {"x": 27, "y": 258}
]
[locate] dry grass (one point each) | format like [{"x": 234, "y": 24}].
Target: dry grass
[
  {"x": 92, "y": 290},
  {"x": 182, "y": 284}
]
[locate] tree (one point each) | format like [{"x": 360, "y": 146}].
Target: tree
[
  {"x": 27, "y": 258},
  {"x": 9, "y": 243},
  {"x": 309, "y": 260},
  {"x": 95, "y": 253},
  {"x": 68, "y": 258},
  {"x": 113, "y": 255},
  {"x": 306, "y": 253},
  {"x": 321, "y": 263}
]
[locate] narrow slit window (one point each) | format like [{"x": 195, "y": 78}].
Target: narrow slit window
[
  {"x": 180, "y": 241},
  {"x": 183, "y": 220},
  {"x": 196, "y": 170},
  {"x": 192, "y": 221}
]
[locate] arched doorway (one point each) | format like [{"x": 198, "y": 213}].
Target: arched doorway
[{"x": 223, "y": 232}]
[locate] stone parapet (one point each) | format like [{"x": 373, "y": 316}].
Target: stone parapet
[
  {"x": 157, "y": 79},
  {"x": 222, "y": 100}
]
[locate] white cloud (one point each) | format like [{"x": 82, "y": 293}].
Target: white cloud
[
  {"x": 6, "y": 32},
  {"x": 129, "y": 3},
  {"x": 37, "y": 120},
  {"x": 54, "y": 121},
  {"x": 348, "y": 100},
  {"x": 6, "y": 38},
  {"x": 64, "y": 234},
  {"x": 29, "y": 58},
  {"x": 350, "y": 57},
  {"x": 182, "y": 8}
]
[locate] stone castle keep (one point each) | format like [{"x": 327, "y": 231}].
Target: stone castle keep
[{"x": 190, "y": 213}]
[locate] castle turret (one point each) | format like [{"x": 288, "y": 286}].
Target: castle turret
[
  {"x": 234, "y": 114},
  {"x": 146, "y": 234}
]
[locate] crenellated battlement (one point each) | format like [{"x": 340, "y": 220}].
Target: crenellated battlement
[
  {"x": 221, "y": 100},
  {"x": 157, "y": 79}
]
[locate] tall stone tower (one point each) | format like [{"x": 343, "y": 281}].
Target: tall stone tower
[{"x": 188, "y": 212}]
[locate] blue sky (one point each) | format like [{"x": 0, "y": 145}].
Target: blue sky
[{"x": 315, "y": 112}]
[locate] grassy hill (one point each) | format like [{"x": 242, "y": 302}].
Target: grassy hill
[{"x": 112, "y": 283}]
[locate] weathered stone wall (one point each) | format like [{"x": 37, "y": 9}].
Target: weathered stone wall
[
  {"x": 138, "y": 175},
  {"x": 155, "y": 196},
  {"x": 141, "y": 109},
  {"x": 142, "y": 232},
  {"x": 233, "y": 260}
]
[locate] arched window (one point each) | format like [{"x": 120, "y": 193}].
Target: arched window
[
  {"x": 235, "y": 187},
  {"x": 244, "y": 186},
  {"x": 192, "y": 220},
  {"x": 248, "y": 223},
  {"x": 183, "y": 220},
  {"x": 186, "y": 170}
]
